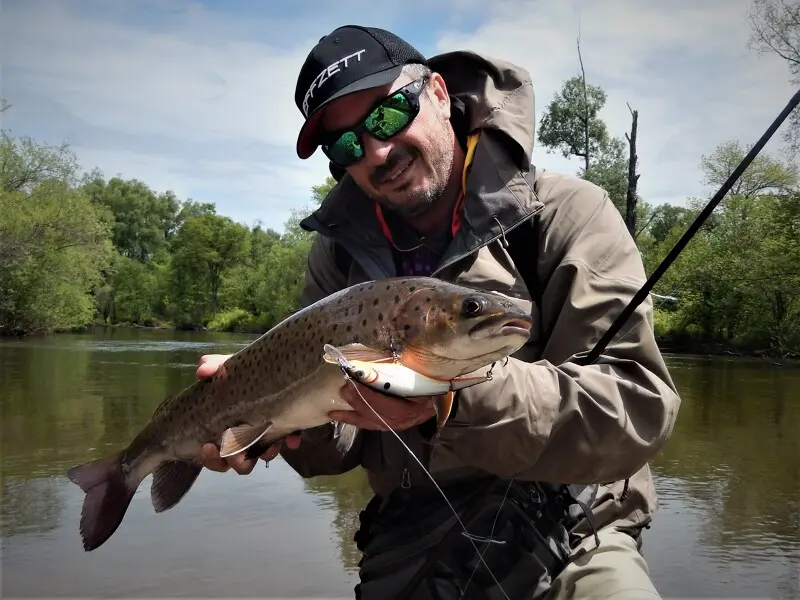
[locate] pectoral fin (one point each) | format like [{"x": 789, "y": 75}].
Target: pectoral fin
[
  {"x": 354, "y": 352},
  {"x": 443, "y": 405},
  {"x": 240, "y": 438}
]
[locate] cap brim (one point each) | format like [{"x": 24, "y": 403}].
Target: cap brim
[{"x": 307, "y": 140}]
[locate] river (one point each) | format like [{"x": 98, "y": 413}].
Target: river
[{"x": 728, "y": 482}]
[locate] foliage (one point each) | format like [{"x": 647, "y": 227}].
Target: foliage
[
  {"x": 82, "y": 250},
  {"x": 562, "y": 126}
]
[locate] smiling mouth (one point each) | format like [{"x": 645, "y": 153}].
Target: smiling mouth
[{"x": 393, "y": 178}]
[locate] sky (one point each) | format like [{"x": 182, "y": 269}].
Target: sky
[{"x": 198, "y": 97}]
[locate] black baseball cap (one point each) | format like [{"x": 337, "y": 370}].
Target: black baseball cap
[{"x": 349, "y": 59}]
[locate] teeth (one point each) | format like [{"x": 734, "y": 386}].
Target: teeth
[{"x": 401, "y": 171}]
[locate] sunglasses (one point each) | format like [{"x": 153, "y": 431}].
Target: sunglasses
[{"x": 386, "y": 119}]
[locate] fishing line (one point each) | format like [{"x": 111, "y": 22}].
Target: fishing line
[
  {"x": 595, "y": 353},
  {"x": 441, "y": 491},
  {"x": 489, "y": 539}
]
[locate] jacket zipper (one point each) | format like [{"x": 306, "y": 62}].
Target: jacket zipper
[{"x": 503, "y": 233}]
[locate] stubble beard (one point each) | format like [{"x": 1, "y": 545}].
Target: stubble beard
[{"x": 414, "y": 205}]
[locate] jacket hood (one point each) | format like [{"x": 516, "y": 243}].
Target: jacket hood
[{"x": 498, "y": 95}]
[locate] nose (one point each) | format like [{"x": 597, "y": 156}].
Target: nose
[{"x": 376, "y": 151}]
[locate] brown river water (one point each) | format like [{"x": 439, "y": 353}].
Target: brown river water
[{"x": 728, "y": 483}]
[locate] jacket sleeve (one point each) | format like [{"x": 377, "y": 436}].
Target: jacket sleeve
[
  {"x": 332, "y": 448},
  {"x": 553, "y": 419}
]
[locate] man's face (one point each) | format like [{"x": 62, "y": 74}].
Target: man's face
[{"x": 409, "y": 172}]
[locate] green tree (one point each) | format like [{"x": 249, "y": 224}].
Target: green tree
[
  {"x": 143, "y": 220},
  {"x": 566, "y": 120},
  {"x": 609, "y": 170},
  {"x": 320, "y": 192},
  {"x": 764, "y": 175},
  {"x": 53, "y": 240},
  {"x": 205, "y": 248}
]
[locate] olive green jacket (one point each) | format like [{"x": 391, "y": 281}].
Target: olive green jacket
[{"x": 542, "y": 417}]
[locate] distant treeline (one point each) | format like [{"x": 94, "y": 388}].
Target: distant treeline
[{"x": 78, "y": 250}]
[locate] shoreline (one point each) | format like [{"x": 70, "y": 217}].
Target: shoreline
[{"x": 666, "y": 345}]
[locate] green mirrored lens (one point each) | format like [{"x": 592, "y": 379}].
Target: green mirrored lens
[
  {"x": 389, "y": 118},
  {"x": 346, "y": 149},
  {"x": 383, "y": 122}
]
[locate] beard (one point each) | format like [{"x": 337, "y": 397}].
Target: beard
[{"x": 404, "y": 201}]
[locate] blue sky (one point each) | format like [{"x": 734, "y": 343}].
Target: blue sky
[{"x": 198, "y": 97}]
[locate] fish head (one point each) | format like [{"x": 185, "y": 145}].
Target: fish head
[{"x": 446, "y": 330}]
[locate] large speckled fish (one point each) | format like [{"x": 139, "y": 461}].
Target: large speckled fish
[{"x": 407, "y": 336}]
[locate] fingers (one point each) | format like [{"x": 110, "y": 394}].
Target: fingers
[
  {"x": 398, "y": 413},
  {"x": 292, "y": 441},
  {"x": 209, "y": 455},
  {"x": 209, "y": 363},
  {"x": 210, "y": 458}
]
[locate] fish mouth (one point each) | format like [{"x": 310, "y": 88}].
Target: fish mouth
[{"x": 503, "y": 324}]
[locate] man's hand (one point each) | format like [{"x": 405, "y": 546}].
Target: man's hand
[
  {"x": 209, "y": 453},
  {"x": 399, "y": 413}
]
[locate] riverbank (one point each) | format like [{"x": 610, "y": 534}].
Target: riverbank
[{"x": 677, "y": 344}]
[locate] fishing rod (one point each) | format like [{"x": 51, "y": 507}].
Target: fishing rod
[{"x": 598, "y": 349}]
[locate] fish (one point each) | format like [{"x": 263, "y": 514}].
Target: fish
[{"x": 422, "y": 334}]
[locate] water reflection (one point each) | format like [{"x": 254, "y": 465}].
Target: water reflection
[{"x": 729, "y": 484}]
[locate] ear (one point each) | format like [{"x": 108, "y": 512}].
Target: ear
[{"x": 437, "y": 89}]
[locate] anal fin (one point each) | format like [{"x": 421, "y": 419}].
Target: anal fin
[
  {"x": 171, "y": 481},
  {"x": 240, "y": 438}
]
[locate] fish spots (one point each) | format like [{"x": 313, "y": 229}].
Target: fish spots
[
  {"x": 375, "y": 302},
  {"x": 397, "y": 299},
  {"x": 360, "y": 307}
]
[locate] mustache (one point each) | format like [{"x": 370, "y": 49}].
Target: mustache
[{"x": 396, "y": 156}]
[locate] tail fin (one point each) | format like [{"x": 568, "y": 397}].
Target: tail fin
[{"x": 108, "y": 496}]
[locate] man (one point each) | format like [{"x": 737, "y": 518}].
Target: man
[{"x": 435, "y": 178}]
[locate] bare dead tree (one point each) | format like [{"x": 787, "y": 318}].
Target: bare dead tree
[
  {"x": 585, "y": 117},
  {"x": 633, "y": 176}
]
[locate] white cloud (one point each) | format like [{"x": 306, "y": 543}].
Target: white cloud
[
  {"x": 201, "y": 101},
  {"x": 684, "y": 65},
  {"x": 197, "y": 107}
]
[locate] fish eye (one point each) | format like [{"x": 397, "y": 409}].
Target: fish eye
[{"x": 473, "y": 306}]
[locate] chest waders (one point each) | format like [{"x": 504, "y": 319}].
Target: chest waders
[{"x": 415, "y": 548}]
